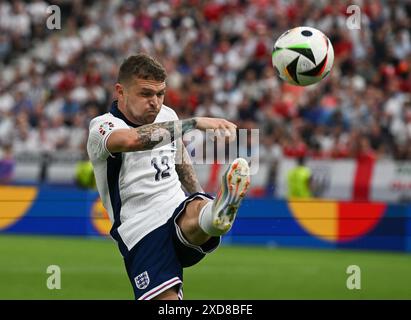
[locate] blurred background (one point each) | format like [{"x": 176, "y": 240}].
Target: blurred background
[{"x": 351, "y": 134}]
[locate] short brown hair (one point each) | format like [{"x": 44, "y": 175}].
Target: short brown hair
[{"x": 141, "y": 66}]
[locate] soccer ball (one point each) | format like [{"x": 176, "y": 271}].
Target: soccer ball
[{"x": 303, "y": 56}]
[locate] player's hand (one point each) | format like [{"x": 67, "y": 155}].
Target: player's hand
[{"x": 222, "y": 127}]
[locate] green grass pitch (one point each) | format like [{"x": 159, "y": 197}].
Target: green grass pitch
[{"x": 93, "y": 269}]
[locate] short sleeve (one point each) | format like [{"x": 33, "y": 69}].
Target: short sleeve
[{"x": 100, "y": 129}]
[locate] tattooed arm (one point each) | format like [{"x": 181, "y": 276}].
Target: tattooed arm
[
  {"x": 185, "y": 170},
  {"x": 154, "y": 135},
  {"x": 148, "y": 136}
]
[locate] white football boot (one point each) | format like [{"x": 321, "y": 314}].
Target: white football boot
[{"x": 233, "y": 188}]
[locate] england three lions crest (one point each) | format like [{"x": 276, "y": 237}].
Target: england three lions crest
[{"x": 142, "y": 280}]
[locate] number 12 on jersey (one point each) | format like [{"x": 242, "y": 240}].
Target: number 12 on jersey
[{"x": 162, "y": 168}]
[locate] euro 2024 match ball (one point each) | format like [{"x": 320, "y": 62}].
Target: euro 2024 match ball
[{"x": 303, "y": 56}]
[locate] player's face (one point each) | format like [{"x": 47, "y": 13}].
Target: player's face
[{"x": 142, "y": 100}]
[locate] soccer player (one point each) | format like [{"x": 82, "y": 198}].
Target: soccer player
[{"x": 159, "y": 230}]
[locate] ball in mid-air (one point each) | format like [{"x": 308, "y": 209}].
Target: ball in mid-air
[{"x": 303, "y": 56}]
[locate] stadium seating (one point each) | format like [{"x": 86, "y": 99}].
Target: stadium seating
[{"x": 218, "y": 58}]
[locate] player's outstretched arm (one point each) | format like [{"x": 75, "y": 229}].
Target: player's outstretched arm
[{"x": 154, "y": 135}]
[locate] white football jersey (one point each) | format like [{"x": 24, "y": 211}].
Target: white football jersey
[{"x": 140, "y": 189}]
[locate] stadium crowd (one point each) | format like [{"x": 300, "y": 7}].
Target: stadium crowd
[{"x": 218, "y": 58}]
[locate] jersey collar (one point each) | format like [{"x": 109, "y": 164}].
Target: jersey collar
[{"x": 114, "y": 110}]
